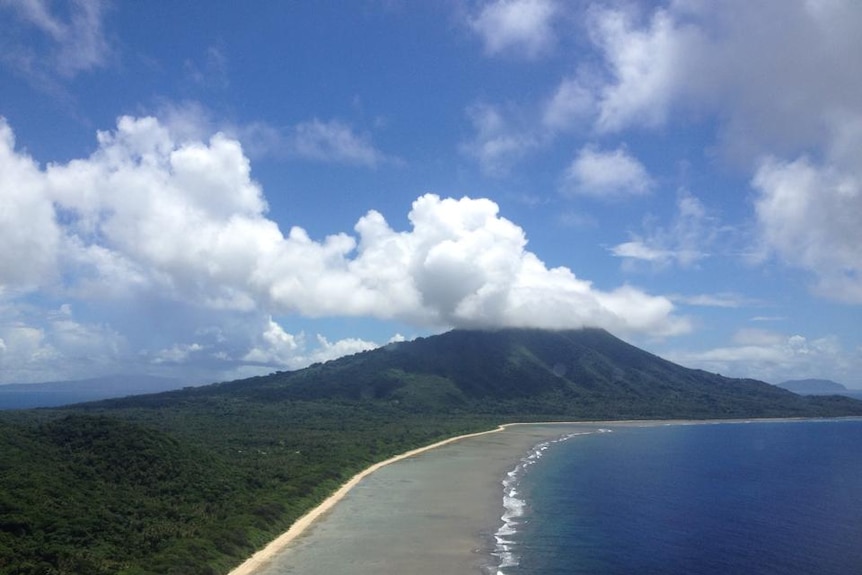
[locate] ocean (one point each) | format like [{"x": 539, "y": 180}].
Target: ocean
[{"x": 755, "y": 498}]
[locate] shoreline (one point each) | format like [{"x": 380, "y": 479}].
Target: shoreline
[{"x": 263, "y": 557}]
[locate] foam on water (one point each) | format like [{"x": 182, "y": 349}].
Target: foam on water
[{"x": 515, "y": 507}]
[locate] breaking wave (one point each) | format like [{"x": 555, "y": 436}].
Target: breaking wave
[{"x": 515, "y": 506}]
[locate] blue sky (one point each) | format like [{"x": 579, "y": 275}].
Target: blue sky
[{"x": 215, "y": 190}]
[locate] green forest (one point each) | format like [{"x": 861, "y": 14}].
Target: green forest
[{"x": 194, "y": 481}]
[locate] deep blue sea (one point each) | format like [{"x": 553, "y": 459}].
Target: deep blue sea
[{"x": 752, "y": 498}]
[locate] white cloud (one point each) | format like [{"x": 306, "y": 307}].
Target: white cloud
[
  {"x": 638, "y": 250},
  {"x": 497, "y": 145},
  {"x": 188, "y": 120},
  {"x": 775, "y": 357},
  {"x": 177, "y": 353},
  {"x": 26, "y": 352},
  {"x": 333, "y": 141},
  {"x": 212, "y": 72},
  {"x": 646, "y": 66},
  {"x": 55, "y": 346},
  {"x": 327, "y": 350},
  {"x": 276, "y": 348},
  {"x": 809, "y": 217},
  {"x": 466, "y": 266},
  {"x": 774, "y": 73},
  {"x": 771, "y": 79},
  {"x": 777, "y": 72},
  {"x": 685, "y": 242},
  {"x": 722, "y": 300},
  {"x": 65, "y": 45},
  {"x": 760, "y": 337},
  {"x": 181, "y": 226},
  {"x": 314, "y": 140},
  {"x": 38, "y": 345},
  {"x": 768, "y": 318},
  {"x": 573, "y": 105},
  {"x": 606, "y": 174},
  {"x": 518, "y": 26},
  {"x": 28, "y": 253}
]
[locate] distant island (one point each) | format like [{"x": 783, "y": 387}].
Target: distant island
[
  {"x": 194, "y": 480},
  {"x": 814, "y": 386},
  {"x": 57, "y": 393}
]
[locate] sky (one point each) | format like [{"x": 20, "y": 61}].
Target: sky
[{"x": 210, "y": 191}]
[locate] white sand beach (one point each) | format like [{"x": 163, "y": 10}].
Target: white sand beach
[
  {"x": 427, "y": 511},
  {"x": 438, "y": 508}
]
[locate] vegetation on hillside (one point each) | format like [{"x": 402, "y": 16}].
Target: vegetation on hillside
[{"x": 193, "y": 481}]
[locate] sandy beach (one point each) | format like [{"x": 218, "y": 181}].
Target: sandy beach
[
  {"x": 428, "y": 511},
  {"x": 431, "y": 510}
]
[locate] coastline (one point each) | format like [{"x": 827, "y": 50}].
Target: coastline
[
  {"x": 501, "y": 452},
  {"x": 262, "y": 557}
]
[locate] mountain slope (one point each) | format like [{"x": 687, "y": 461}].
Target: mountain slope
[
  {"x": 191, "y": 481},
  {"x": 585, "y": 373}
]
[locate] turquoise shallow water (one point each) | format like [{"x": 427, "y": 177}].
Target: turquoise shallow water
[{"x": 759, "y": 498}]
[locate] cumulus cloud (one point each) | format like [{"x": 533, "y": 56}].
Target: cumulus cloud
[
  {"x": 774, "y": 72},
  {"x": 729, "y": 59},
  {"x": 521, "y": 26},
  {"x": 780, "y": 88},
  {"x": 42, "y": 42},
  {"x": 55, "y": 345},
  {"x": 606, "y": 174},
  {"x": 775, "y": 357},
  {"x": 809, "y": 217},
  {"x": 28, "y": 254},
  {"x": 646, "y": 66},
  {"x": 275, "y": 347},
  {"x": 787, "y": 99},
  {"x": 25, "y": 352},
  {"x": 177, "y": 353},
  {"x": 773, "y": 75},
  {"x": 149, "y": 218},
  {"x": 38, "y": 345},
  {"x": 327, "y": 350}
]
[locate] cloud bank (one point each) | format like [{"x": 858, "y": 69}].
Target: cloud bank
[
  {"x": 775, "y": 357},
  {"x": 145, "y": 213},
  {"x": 176, "y": 225}
]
